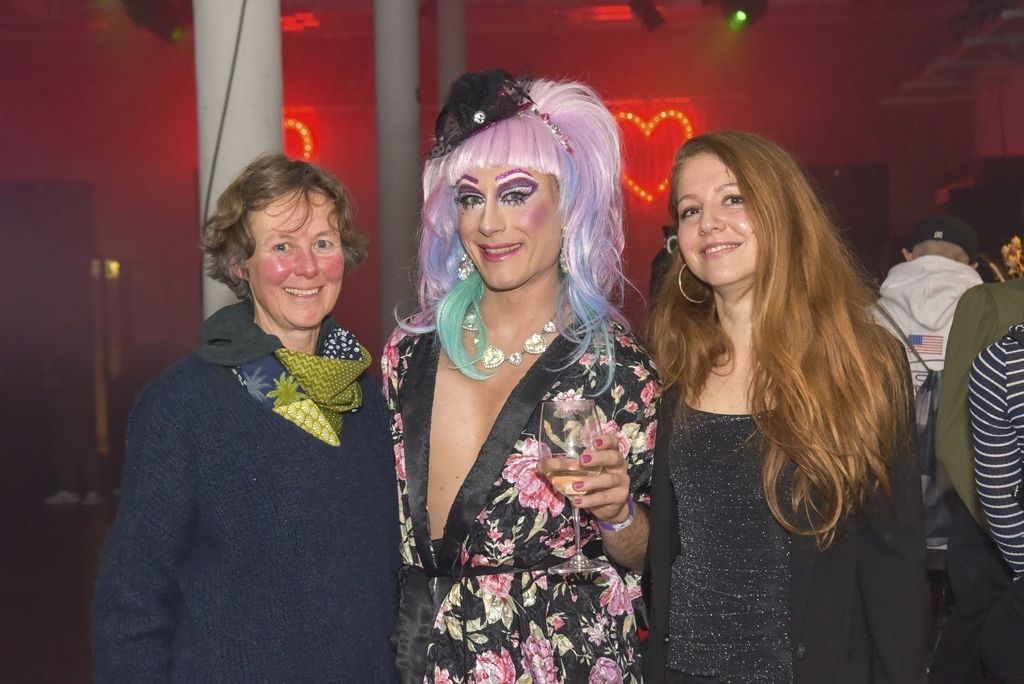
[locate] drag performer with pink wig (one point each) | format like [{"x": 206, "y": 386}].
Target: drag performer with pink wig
[{"x": 520, "y": 276}]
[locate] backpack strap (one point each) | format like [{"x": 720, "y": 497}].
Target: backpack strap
[{"x": 913, "y": 350}]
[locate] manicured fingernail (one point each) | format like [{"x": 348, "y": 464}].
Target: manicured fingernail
[
  {"x": 578, "y": 484},
  {"x": 586, "y": 458},
  {"x": 577, "y": 502},
  {"x": 599, "y": 442}
]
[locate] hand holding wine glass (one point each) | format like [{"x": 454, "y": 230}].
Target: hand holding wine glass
[{"x": 568, "y": 429}]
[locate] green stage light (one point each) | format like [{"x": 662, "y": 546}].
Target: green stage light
[
  {"x": 738, "y": 20},
  {"x": 740, "y": 14}
]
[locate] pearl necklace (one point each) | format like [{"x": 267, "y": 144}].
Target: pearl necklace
[{"x": 535, "y": 344}]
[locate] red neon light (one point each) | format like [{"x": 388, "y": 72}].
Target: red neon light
[
  {"x": 300, "y": 21},
  {"x": 650, "y": 147},
  {"x": 301, "y": 131},
  {"x": 605, "y": 13}
]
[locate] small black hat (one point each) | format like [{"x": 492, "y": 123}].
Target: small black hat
[
  {"x": 477, "y": 101},
  {"x": 948, "y": 229}
]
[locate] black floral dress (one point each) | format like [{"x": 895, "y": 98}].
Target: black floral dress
[{"x": 486, "y": 616}]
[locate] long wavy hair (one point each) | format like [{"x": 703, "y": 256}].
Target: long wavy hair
[
  {"x": 590, "y": 206},
  {"x": 829, "y": 392}
]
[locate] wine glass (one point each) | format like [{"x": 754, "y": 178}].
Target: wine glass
[{"x": 567, "y": 429}]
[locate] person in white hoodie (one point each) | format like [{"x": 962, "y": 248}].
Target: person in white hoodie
[
  {"x": 919, "y": 298},
  {"x": 920, "y": 295}
]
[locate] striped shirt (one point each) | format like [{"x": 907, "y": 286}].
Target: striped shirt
[{"x": 997, "y": 415}]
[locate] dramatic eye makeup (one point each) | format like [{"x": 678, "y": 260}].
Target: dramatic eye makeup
[
  {"x": 515, "y": 186},
  {"x": 467, "y": 194},
  {"x": 517, "y": 191}
]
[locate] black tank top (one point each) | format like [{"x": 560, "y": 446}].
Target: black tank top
[{"x": 729, "y": 604}]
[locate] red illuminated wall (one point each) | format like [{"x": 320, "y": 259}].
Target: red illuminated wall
[
  {"x": 95, "y": 103},
  {"x": 809, "y": 76},
  {"x": 330, "y": 70},
  {"x": 117, "y": 113},
  {"x": 113, "y": 106}
]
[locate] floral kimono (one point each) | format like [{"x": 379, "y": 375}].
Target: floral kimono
[{"x": 478, "y": 606}]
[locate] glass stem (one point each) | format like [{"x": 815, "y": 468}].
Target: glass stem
[{"x": 576, "y": 529}]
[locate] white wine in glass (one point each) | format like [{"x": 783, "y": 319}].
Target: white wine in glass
[{"x": 567, "y": 429}]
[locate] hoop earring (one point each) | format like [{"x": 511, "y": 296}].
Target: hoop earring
[{"x": 683, "y": 292}]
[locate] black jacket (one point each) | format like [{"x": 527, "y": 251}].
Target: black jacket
[{"x": 858, "y": 609}]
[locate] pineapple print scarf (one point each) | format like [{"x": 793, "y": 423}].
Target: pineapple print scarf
[{"x": 311, "y": 391}]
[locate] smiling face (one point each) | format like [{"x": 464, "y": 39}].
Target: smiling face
[
  {"x": 296, "y": 271},
  {"x": 510, "y": 226},
  {"x": 717, "y": 238}
]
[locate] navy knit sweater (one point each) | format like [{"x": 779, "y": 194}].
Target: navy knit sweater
[{"x": 246, "y": 550}]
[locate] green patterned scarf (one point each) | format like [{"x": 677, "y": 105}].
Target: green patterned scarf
[{"x": 329, "y": 383}]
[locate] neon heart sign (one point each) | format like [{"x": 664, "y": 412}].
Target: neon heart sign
[
  {"x": 299, "y": 124},
  {"x": 649, "y": 156}
]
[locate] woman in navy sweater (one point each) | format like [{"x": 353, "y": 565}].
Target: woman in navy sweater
[{"x": 256, "y": 538}]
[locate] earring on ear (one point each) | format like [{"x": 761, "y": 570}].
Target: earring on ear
[
  {"x": 563, "y": 265},
  {"x": 466, "y": 267},
  {"x": 681, "y": 290}
]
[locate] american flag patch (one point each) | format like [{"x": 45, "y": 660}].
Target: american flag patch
[{"x": 926, "y": 344}]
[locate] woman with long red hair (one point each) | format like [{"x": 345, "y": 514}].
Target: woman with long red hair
[{"x": 786, "y": 542}]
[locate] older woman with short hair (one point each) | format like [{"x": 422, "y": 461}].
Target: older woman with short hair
[{"x": 256, "y": 538}]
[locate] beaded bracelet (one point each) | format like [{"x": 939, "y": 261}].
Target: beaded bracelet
[{"x": 618, "y": 527}]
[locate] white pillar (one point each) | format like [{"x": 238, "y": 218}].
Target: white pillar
[
  {"x": 451, "y": 45},
  {"x": 396, "y": 54},
  {"x": 252, "y": 115}
]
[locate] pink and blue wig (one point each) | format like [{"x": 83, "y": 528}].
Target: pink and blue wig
[{"x": 590, "y": 206}]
